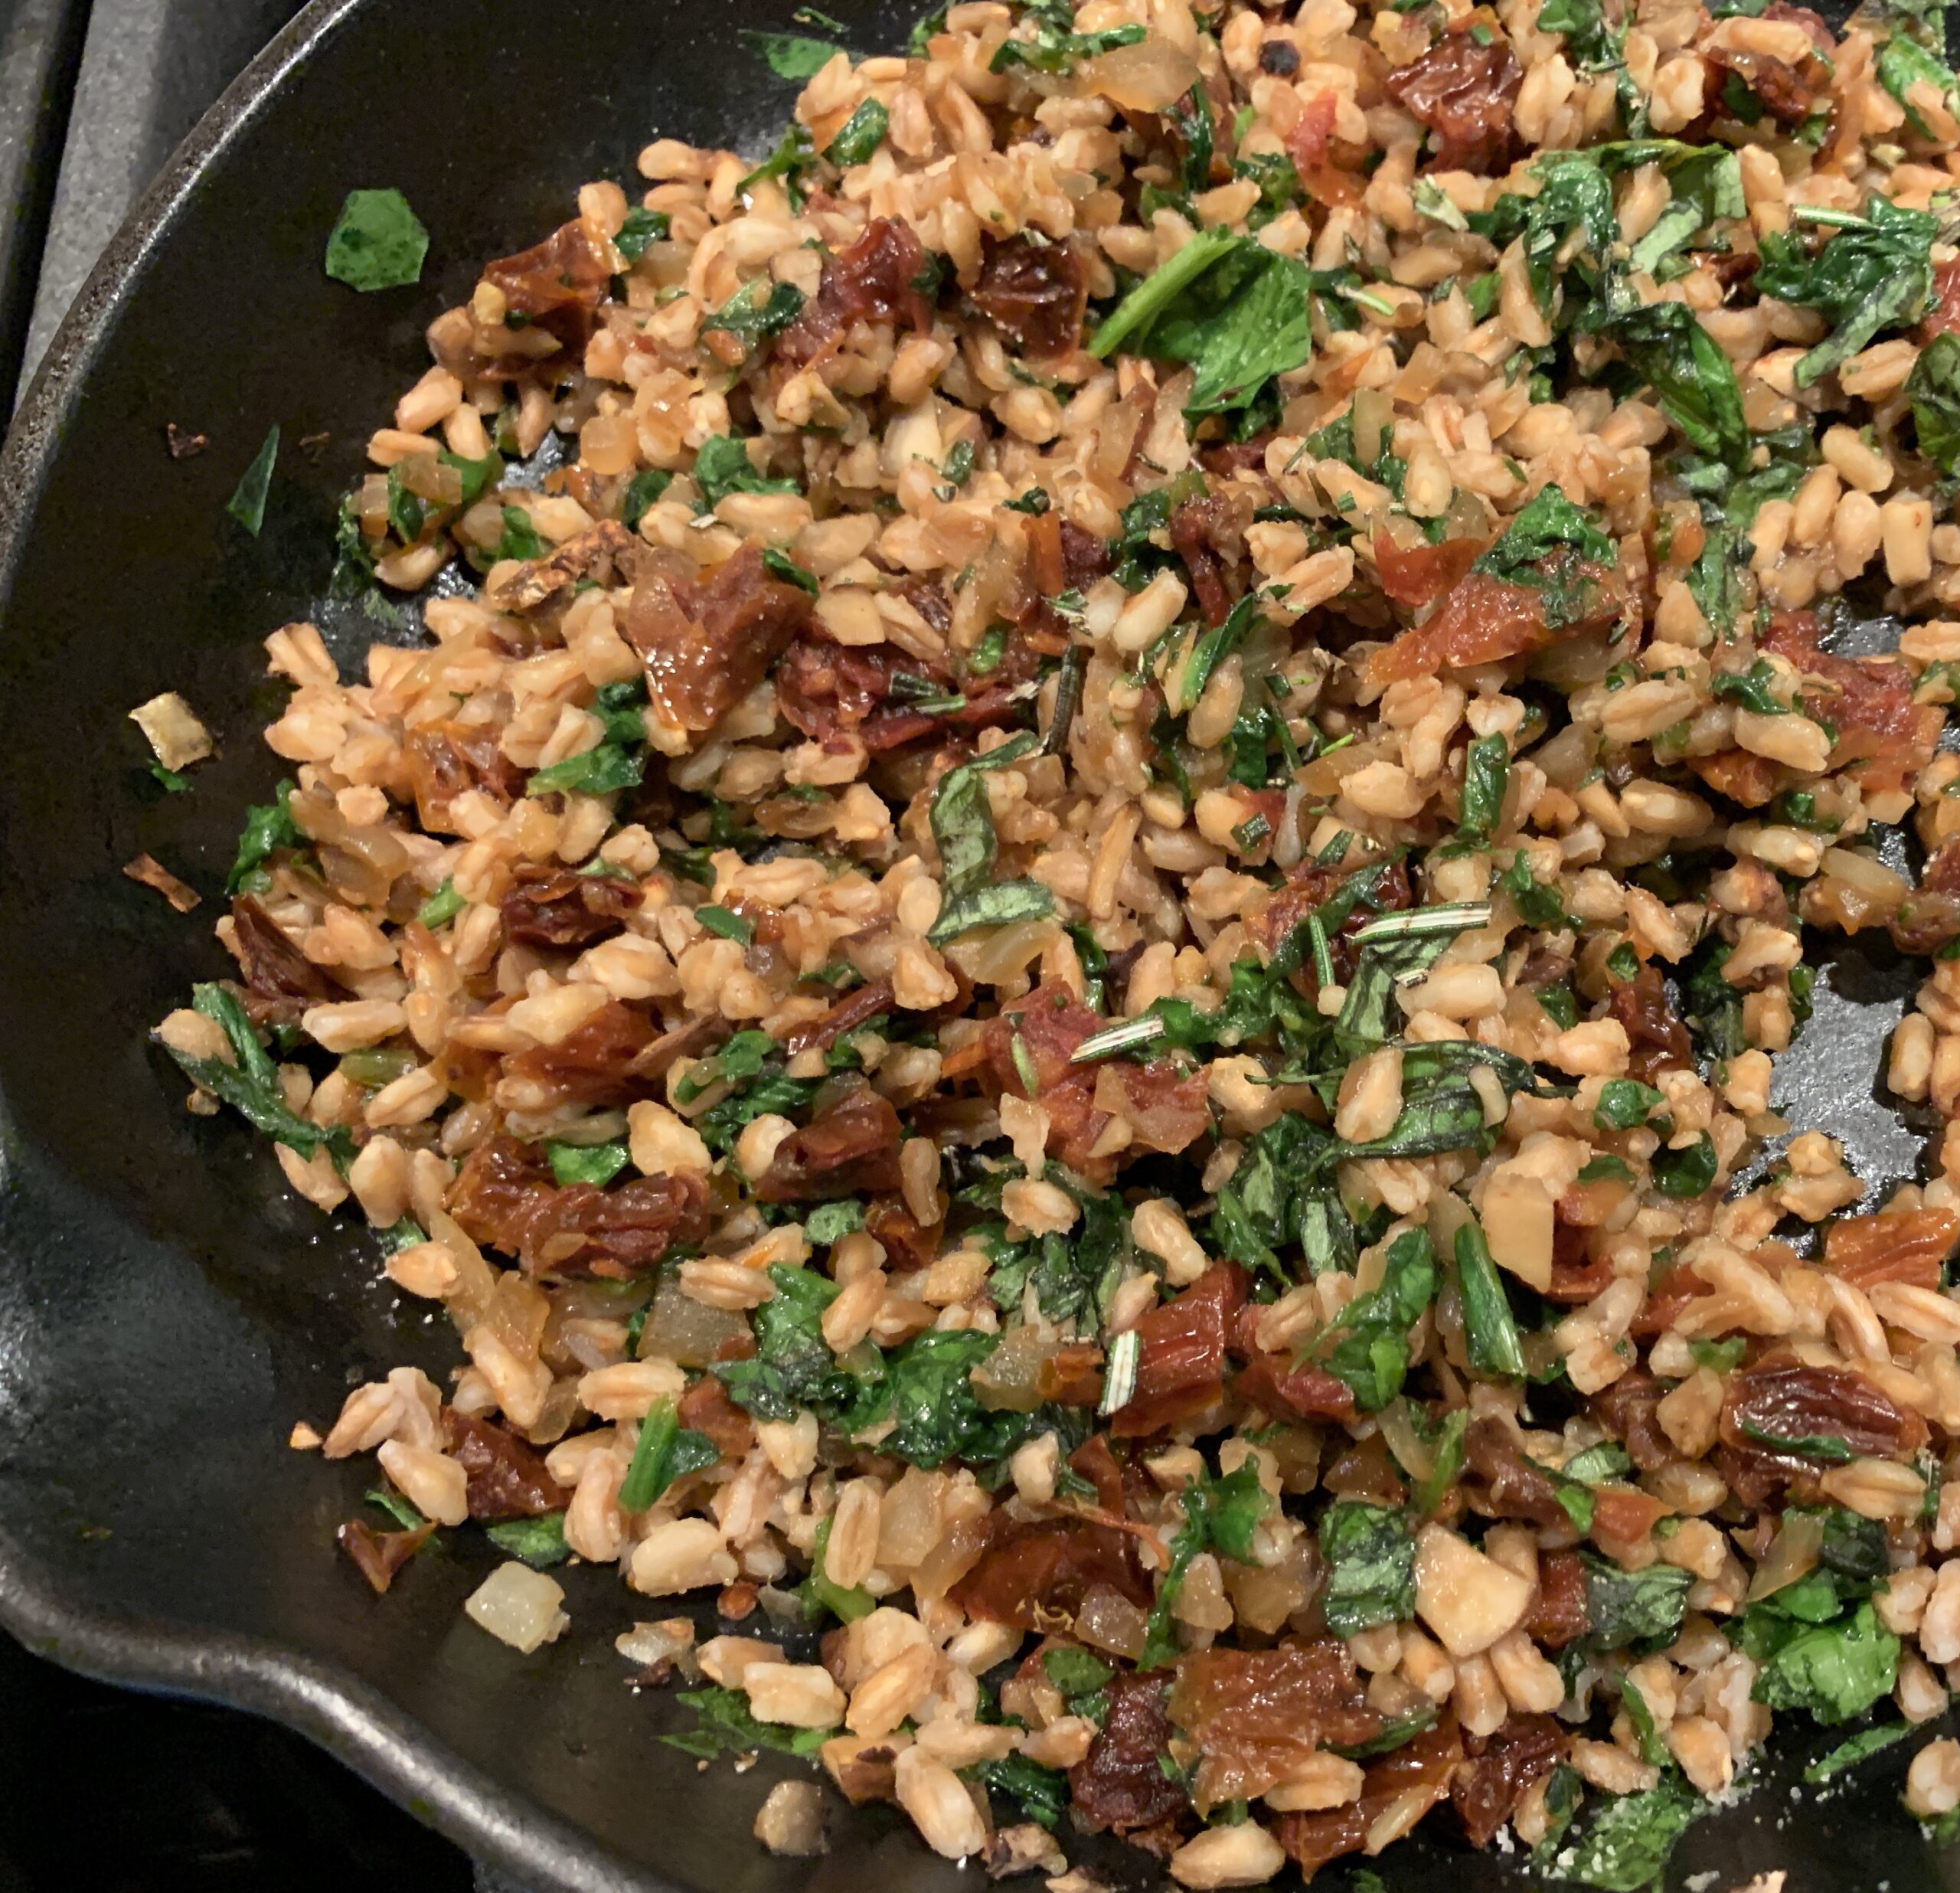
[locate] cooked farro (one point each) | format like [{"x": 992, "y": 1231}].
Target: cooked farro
[{"x": 1066, "y": 964}]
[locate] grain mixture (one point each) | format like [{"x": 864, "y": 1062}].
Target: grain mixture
[{"x": 1073, "y": 973}]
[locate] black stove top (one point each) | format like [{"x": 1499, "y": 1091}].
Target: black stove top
[{"x": 100, "y": 1788}]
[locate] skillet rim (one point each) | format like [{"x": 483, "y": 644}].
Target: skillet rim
[{"x": 390, "y": 1749}]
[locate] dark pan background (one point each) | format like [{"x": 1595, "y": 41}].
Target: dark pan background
[{"x": 167, "y": 1309}]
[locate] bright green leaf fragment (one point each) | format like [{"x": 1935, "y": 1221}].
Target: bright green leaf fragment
[
  {"x": 1835, "y": 1670},
  {"x": 728, "y": 1726},
  {"x": 642, "y": 227},
  {"x": 1872, "y": 273},
  {"x": 820, "y": 1592},
  {"x": 247, "y": 503},
  {"x": 753, "y": 317},
  {"x": 441, "y": 907},
  {"x": 1043, "y": 1793},
  {"x": 586, "y": 1163},
  {"x": 1221, "y": 1513},
  {"x": 1367, "y": 1346},
  {"x": 1855, "y": 1749},
  {"x": 1630, "y": 1606},
  {"x": 1902, "y": 63},
  {"x": 862, "y": 133},
  {"x": 379, "y": 243},
  {"x": 267, "y": 827},
  {"x": 250, "y": 1083},
  {"x": 1625, "y": 1849},
  {"x": 722, "y": 466},
  {"x": 1933, "y": 387},
  {"x": 727, "y": 922},
  {"x": 598, "y": 771},
  {"x": 1490, "y": 1330},
  {"x": 664, "y": 1451},
  {"x": 539, "y": 1542},
  {"x": 1237, "y": 313},
  {"x": 792, "y": 55}
]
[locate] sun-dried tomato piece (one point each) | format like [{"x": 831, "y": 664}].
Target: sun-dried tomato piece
[
  {"x": 378, "y": 1556},
  {"x": 704, "y": 654},
  {"x": 1558, "y": 1614},
  {"x": 850, "y": 1150},
  {"x": 1626, "y": 1409},
  {"x": 1777, "y": 1407},
  {"x": 1790, "y": 92},
  {"x": 1037, "y": 1572},
  {"x": 507, "y": 1476},
  {"x": 705, "y": 1408},
  {"x": 1120, "y": 1785},
  {"x": 504, "y": 1196},
  {"x": 597, "y": 1063},
  {"x": 1577, "y": 1274},
  {"x": 877, "y": 279},
  {"x": 557, "y": 284},
  {"x": 1202, "y": 530},
  {"x": 1660, "y": 1041},
  {"x": 1912, "y": 1247},
  {"x": 1624, "y": 1514},
  {"x": 1180, "y": 1355},
  {"x": 1164, "y": 1105},
  {"x": 1072, "y": 1376},
  {"x": 1465, "y": 91},
  {"x": 846, "y": 1016},
  {"x": 1313, "y": 129},
  {"x": 1512, "y": 1485},
  {"x": 1482, "y": 621},
  {"x": 1255, "y": 1715},
  {"x": 1745, "y": 778},
  {"x": 1869, "y": 700},
  {"x": 1273, "y": 1383},
  {"x": 1419, "y": 575},
  {"x": 553, "y": 906},
  {"x": 1499, "y": 1770},
  {"x": 276, "y": 972},
  {"x": 1034, "y": 293},
  {"x": 1943, "y": 313},
  {"x": 1421, "y": 1770},
  {"x": 1271, "y": 919},
  {"x": 448, "y": 759}
]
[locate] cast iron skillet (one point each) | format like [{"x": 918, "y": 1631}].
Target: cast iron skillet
[{"x": 167, "y": 1309}]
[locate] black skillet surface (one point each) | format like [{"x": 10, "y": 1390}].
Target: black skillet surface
[{"x": 167, "y": 1310}]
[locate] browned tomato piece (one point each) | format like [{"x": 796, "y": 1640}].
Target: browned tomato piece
[
  {"x": 1255, "y": 1715},
  {"x": 1465, "y": 89},
  {"x": 1869, "y": 700},
  {"x": 1034, "y": 292},
  {"x": 851, "y": 1149},
  {"x": 1482, "y": 621},
  {"x": 1180, "y": 1358},
  {"x": 506, "y": 1474},
  {"x": 1421, "y": 1770},
  {"x": 553, "y": 907},
  {"x": 1120, "y": 1785},
  {"x": 1419, "y": 575},
  {"x": 875, "y": 280},
  {"x": 1559, "y": 1612},
  {"x": 1911, "y": 1248},
  {"x": 1499, "y": 1770}
]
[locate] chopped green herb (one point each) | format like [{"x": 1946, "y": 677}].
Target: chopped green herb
[
  {"x": 1371, "y": 1555},
  {"x": 586, "y": 1163},
  {"x": 864, "y": 132},
  {"x": 642, "y": 227},
  {"x": 728, "y": 924},
  {"x": 247, "y": 504},
  {"x": 790, "y": 55},
  {"x": 378, "y": 244},
  {"x": 539, "y": 1542},
  {"x": 664, "y": 1451}
]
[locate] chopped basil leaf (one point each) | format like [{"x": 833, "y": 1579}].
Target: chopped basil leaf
[
  {"x": 642, "y": 227},
  {"x": 539, "y": 1542},
  {"x": 664, "y": 1451},
  {"x": 1371, "y": 1554},
  {"x": 791, "y": 55},
  {"x": 586, "y": 1163},
  {"x": 864, "y": 132}
]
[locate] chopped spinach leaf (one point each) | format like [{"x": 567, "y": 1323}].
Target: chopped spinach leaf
[
  {"x": 247, "y": 503},
  {"x": 1371, "y": 1554},
  {"x": 378, "y": 244}
]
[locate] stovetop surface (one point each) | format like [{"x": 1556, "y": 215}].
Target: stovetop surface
[{"x": 100, "y": 1788}]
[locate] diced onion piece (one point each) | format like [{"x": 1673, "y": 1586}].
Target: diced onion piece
[
  {"x": 174, "y": 731},
  {"x": 518, "y": 1605}
]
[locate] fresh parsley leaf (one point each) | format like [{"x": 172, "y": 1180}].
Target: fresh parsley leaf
[{"x": 1235, "y": 311}]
